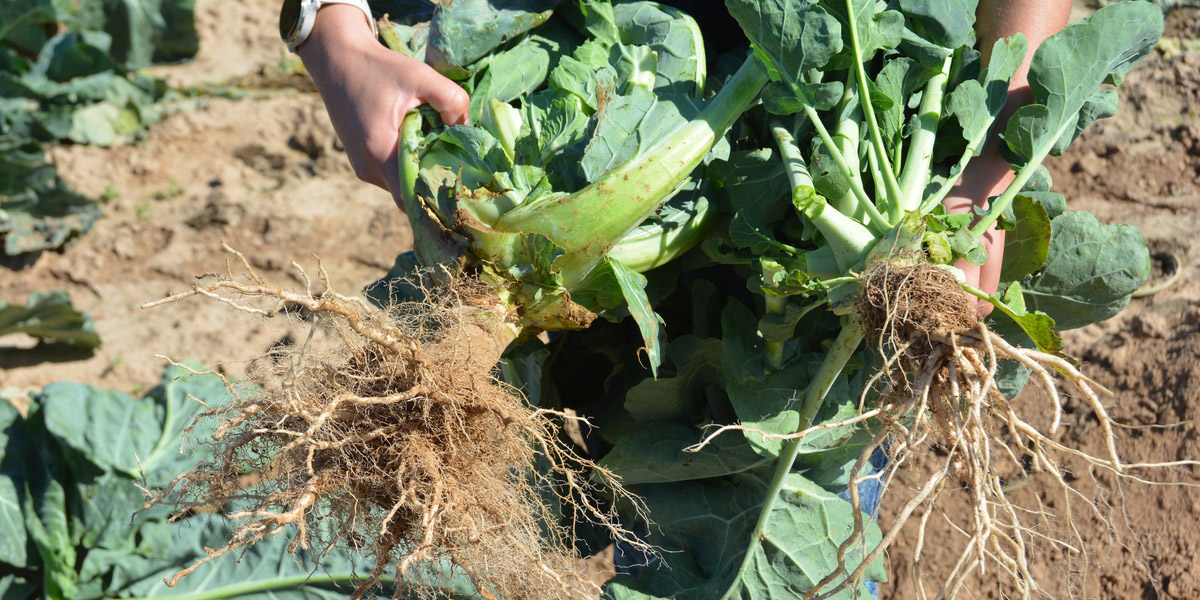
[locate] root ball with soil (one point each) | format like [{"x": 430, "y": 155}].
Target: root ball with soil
[
  {"x": 397, "y": 433},
  {"x": 948, "y": 429}
]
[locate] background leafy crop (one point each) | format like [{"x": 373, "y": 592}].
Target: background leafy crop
[{"x": 79, "y": 85}]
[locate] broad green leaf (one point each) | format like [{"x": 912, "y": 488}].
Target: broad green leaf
[
  {"x": 47, "y": 523},
  {"x": 15, "y": 450},
  {"x": 1039, "y": 326},
  {"x": 697, "y": 365},
  {"x": 657, "y": 455},
  {"x": 472, "y": 153},
  {"x": 704, "y": 530},
  {"x": 558, "y": 122},
  {"x": 12, "y": 526},
  {"x": 633, "y": 286},
  {"x": 464, "y": 31},
  {"x": 1028, "y": 244},
  {"x": 877, "y": 27},
  {"x": 629, "y": 124},
  {"x": 897, "y": 81},
  {"x": 1102, "y": 104},
  {"x": 781, "y": 99},
  {"x": 148, "y": 31},
  {"x": 522, "y": 367},
  {"x": 753, "y": 180},
  {"x": 16, "y": 587},
  {"x": 1053, "y": 203},
  {"x": 977, "y": 102},
  {"x": 263, "y": 571},
  {"x": 753, "y": 186},
  {"x": 22, "y": 23},
  {"x": 37, "y": 209},
  {"x": 1090, "y": 272},
  {"x": 675, "y": 39},
  {"x": 741, "y": 347},
  {"x": 790, "y": 36},
  {"x": 771, "y": 404},
  {"x": 949, "y": 23},
  {"x": 1068, "y": 68},
  {"x": 585, "y": 81},
  {"x": 49, "y": 315},
  {"x": 512, "y": 74},
  {"x": 112, "y": 431},
  {"x": 635, "y": 66},
  {"x": 799, "y": 545}
]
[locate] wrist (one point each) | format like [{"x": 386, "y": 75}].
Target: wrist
[{"x": 336, "y": 26}]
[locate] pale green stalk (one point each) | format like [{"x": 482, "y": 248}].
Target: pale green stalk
[
  {"x": 1001, "y": 204},
  {"x": 876, "y": 219},
  {"x": 848, "y": 238},
  {"x": 920, "y": 147},
  {"x": 835, "y": 361},
  {"x": 588, "y": 223},
  {"x": 877, "y": 179},
  {"x": 889, "y": 178},
  {"x": 775, "y": 305},
  {"x": 846, "y": 140}
]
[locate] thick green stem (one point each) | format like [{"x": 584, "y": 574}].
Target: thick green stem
[
  {"x": 775, "y": 305},
  {"x": 409, "y": 160},
  {"x": 432, "y": 242},
  {"x": 588, "y": 223},
  {"x": 876, "y": 220},
  {"x": 846, "y": 140},
  {"x": 647, "y": 248},
  {"x": 920, "y": 146},
  {"x": 848, "y": 238},
  {"x": 835, "y": 361},
  {"x": 889, "y": 178},
  {"x": 1001, "y": 204}
]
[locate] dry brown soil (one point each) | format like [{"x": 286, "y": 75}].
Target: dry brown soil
[{"x": 266, "y": 174}]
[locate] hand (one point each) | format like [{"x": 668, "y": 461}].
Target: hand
[
  {"x": 989, "y": 174},
  {"x": 367, "y": 90},
  {"x": 986, "y": 176}
]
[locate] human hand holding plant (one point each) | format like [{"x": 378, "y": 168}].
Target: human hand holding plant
[
  {"x": 367, "y": 90},
  {"x": 989, "y": 175}
]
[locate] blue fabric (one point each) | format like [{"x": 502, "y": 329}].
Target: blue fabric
[{"x": 869, "y": 492}]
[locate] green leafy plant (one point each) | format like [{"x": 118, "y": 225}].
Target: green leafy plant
[
  {"x": 79, "y": 86},
  {"x": 72, "y": 518},
  {"x": 49, "y": 316},
  {"x": 752, "y": 272}
]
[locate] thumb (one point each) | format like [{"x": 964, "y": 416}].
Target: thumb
[{"x": 446, "y": 97}]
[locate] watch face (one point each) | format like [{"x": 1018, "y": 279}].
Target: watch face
[{"x": 289, "y": 19}]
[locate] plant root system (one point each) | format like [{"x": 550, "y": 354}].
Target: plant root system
[
  {"x": 947, "y": 429},
  {"x": 398, "y": 435},
  {"x": 940, "y": 402}
]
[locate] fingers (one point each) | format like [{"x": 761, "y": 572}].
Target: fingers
[
  {"x": 989, "y": 273},
  {"x": 391, "y": 176},
  {"x": 445, "y": 96}
]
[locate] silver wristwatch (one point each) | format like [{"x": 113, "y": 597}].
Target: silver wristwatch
[{"x": 296, "y": 18}]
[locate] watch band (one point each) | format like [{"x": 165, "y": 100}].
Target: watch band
[{"x": 307, "y": 17}]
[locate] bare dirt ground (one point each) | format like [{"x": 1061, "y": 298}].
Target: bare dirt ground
[{"x": 266, "y": 174}]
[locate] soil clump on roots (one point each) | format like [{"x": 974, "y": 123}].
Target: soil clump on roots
[
  {"x": 397, "y": 433},
  {"x": 909, "y": 303}
]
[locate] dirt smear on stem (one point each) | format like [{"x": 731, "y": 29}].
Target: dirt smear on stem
[{"x": 397, "y": 433}]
